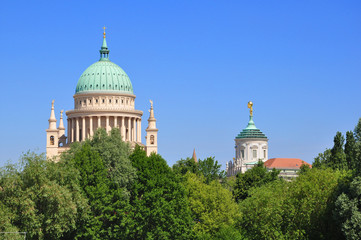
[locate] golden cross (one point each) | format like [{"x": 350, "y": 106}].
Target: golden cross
[{"x": 104, "y": 31}]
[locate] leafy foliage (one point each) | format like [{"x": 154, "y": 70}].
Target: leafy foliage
[
  {"x": 322, "y": 159},
  {"x": 105, "y": 201},
  {"x": 209, "y": 168},
  {"x": 255, "y": 177},
  {"x": 186, "y": 165},
  {"x": 338, "y": 157},
  {"x": 212, "y": 205},
  {"x": 43, "y": 197},
  {"x": 350, "y": 150},
  {"x": 348, "y": 210},
  {"x": 293, "y": 210},
  {"x": 159, "y": 208},
  {"x": 115, "y": 155}
]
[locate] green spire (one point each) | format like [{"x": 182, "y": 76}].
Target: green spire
[
  {"x": 104, "y": 52},
  {"x": 251, "y": 124},
  {"x": 251, "y": 131}
]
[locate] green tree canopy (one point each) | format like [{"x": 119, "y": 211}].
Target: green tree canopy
[
  {"x": 338, "y": 157},
  {"x": 209, "y": 168},
  {"x": 347, "y": 211},
  {"x": 322, "y": 159},
  {"x": 105, "y": 200},
  {"x": 212, "y": 205},
  {"x": 115, "y": 155},
  {"x": 350, "y": 150},
  {"x": 159, "y": 208},
  {"x": 43, "y": 197},
  {"x": 301, "y": 209},
  {"x": 254, "y": 177}
]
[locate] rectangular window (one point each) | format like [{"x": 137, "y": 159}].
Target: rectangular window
[
  {"x": 264, "y": 154},
  {"x": 254, "y": 154},
  {"x": 242, "y": 154}
]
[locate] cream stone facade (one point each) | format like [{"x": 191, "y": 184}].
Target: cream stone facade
[
  {"x": 251, "y": 145},
  {"x": 103, "y": 99}
]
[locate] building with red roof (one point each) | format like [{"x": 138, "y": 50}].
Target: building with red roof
[{"x": 289, "y": 166}]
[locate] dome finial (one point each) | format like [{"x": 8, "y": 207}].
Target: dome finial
[
  {"x": 250, "y": 106},
  {"x": 104, "y": 32}
]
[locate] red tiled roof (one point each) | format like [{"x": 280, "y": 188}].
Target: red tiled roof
[{"x": 285, "y": 163}]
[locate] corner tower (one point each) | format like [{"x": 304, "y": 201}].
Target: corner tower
[
  {"x": 52, "y": 135},
  {"x": 152, "y": 133}
]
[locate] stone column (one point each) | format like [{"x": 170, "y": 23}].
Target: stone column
[
  {"x": 68, "y": 130},
  {"x": 115, "y": 121},
  {"x": 99, "y": 121},
  {"x": 129, "y": 129},
  {"x": 77, "y": 129},
  {"x": 83, "y": 128},
  {"x": 139, "y": 130},
  {"x": 107, "y": 124},
  {"x": 122, "y": 129},
  {"x": 133, "y": 130},
  {"x": 72, "y": 130},
  {"x": 91, "y": 126}
]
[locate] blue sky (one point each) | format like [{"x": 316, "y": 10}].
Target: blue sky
[{"x": 199, "y": 61}]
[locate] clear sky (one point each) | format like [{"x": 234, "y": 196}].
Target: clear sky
[{"x": 199, "y": 61}]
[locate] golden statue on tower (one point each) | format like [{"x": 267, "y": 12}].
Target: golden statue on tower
[{"x": 249, "y": 105}]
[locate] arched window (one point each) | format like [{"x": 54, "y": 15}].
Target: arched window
[
  {"x": 151, "y": 139},
  {"x": 51, "y": 140}
]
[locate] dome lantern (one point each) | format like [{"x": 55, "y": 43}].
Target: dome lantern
[
  {"x": 104, "y": 52},
  {"x": 104, "y": 76}
]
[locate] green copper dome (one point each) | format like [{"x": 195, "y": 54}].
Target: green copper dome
[
  {"x": 104, "y": 76},
  {"x": 251, "y": 131}
]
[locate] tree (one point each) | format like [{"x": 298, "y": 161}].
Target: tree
[
  {"x": 338, "y": 157},
  {"x": 254, "y": 177},
  {"x": 347, "y": 211},
  {"x": 357, "y": 131},
  {"x": 301, "y": 209},
  {"x": 183, "y": 166},
  {"x": 212, "y": 205},
  {"x": 115, "y": 155},
  {"x": 350, "y": 150},
  {"x": 209, "y": 168},
  {"x": 322, "y": 159},
  {"x": 159, "y": 207},
  {"x": 43, "y": 197},
  {"x": 262, "y": 212}
]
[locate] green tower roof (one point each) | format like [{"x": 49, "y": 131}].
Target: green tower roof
[
  {"x": 251, "y": 131},
  {"x": 104, "y": 76}
]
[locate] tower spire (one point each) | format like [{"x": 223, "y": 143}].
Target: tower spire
[
  {"x": 251, "y": 124},
  {"x": 52, "y": 119},
  {"x": 194, "y": 155},
  {"x": 104, "y": 52},
  {"x": 152, "y": 133},
  {"x": 61, "y": 123}
]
